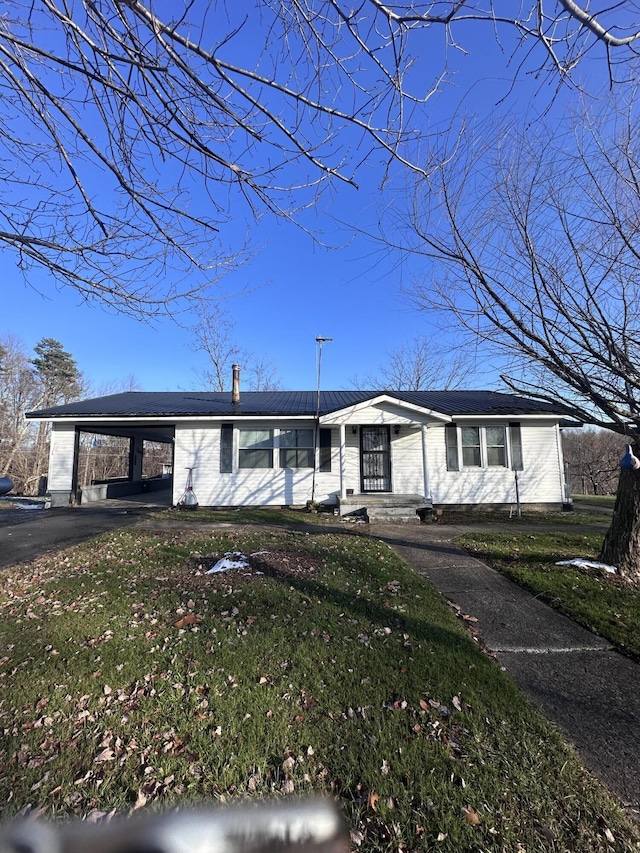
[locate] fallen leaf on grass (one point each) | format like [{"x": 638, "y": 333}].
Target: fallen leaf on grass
[
  {"x": 470, "y": 815},
  {"x": 105, "y": 755},
  {"x": 357, "y": 837},
  {"x": 186, "y": 621}
]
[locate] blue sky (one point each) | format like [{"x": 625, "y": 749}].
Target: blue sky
[{"x": 292, "y": 289}]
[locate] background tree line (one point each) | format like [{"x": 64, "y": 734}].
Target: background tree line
[
  {"x": 50, "y": 377},
  {"x": 47, "y": 377}
]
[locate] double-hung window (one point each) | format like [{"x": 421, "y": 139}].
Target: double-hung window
[
  {"x": 482, "y": 446},
  {"x": 496, "y": 440},
  {"x": 296, "y": 448},
  {"x": 255, "y": 448},
  {"x": 287, "y": 448},
  {"x": 471, "y": 447}
]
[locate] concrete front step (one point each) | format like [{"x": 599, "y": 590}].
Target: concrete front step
[
  {"x": 393, "y": 515},
  {"x": 394, "y": 509}
]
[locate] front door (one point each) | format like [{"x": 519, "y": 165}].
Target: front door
[{"x": 375, "y": 459}]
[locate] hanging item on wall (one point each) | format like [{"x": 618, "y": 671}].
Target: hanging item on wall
[
  {"x": 629, "y": 461},
  {"x": 188, "y": 499}
]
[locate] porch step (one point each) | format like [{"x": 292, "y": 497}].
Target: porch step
[
  {"x": 393, "y": 509},
  {"x": 393, "y": 514}
]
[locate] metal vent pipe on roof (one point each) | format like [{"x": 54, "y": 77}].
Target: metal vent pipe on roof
[{"x": 235, "y": 392}]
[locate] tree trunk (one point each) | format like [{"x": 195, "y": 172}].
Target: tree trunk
[{"x": 621, "y": 546}]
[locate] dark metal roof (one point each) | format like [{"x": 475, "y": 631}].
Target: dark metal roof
[{"x": 164, "y": 404}]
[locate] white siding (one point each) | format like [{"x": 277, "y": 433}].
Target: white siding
[
  {"x": 61, "y": 457},
  {"x": 539, "y": 482},
  {"x": 406, "y": 462},
  {"x": 199, "y": 446},
  {"x": 352, "y": 455},
  {"x": 383, "y": 413}
]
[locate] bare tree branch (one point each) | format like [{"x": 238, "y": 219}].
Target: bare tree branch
[
  {"x": 129, "y": 140},
  {"x": 541, "y": 261}
]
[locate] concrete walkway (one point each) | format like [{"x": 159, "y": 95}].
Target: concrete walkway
[{"x": 574, "y": 677}]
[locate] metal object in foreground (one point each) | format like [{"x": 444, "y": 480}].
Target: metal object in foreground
[{"x": 303, "y": 826}]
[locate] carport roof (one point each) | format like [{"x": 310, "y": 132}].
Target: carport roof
[{"x": 166, "y": 404}]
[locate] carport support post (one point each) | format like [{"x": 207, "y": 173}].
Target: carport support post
[
  {"x": 136, "y": 448},
  {"x": 75, "y": 487}
]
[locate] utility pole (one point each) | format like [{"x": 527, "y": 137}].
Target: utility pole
[{"x": 320, "y": 340}]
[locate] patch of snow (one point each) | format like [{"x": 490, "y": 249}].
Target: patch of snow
[
  {"x": 588, "y": 564},
  {"x": 231, "y": 560}
]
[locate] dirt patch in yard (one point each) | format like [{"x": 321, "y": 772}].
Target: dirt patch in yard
[{"x": 276, "y": 563}]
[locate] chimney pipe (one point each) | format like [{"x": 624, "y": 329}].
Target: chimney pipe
[{"x": 235, "y": 393}]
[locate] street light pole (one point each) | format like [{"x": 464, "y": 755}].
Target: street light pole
[{"x": 320, "y": 340}]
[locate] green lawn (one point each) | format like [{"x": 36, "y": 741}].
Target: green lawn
[
  {"x": 606, "y": 501},
  {"x": 131, "y": 677},
  {"x": 600, "y": 601},
  {"x": 248, "y": 515}
]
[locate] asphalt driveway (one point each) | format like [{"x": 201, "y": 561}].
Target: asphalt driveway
[{"x": 25, "y": 534}]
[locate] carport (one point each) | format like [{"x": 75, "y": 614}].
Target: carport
[{"x": 64, "y": 484}]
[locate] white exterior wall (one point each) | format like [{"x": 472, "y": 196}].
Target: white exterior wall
[
  {"x": 197, "y": 443},
  {"x": 406, "y": 460},
  {"x": 199, "y": 446},
  {"x": 61, "y": 451},
  {"x": 541, "y": 480},
  {"x": 407, "y": 475}
]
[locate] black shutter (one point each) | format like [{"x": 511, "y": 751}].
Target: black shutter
[
  {"x": 515, "y": 436},
  {"x": 226, "y": 449},
  {"x": 325, "y": 450},
  {"x": 451, "y": 439}
]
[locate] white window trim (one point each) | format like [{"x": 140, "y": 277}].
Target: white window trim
[
  {"x": 279, "y": 448},
  {"x": 484, "y": 465},
  {"x": 275, "y": 446}
]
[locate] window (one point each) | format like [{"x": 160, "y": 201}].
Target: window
[
  {"x": 471, "y": 457},
  {"x": 255, "y": 448},
  {"x": 496, "y": 447},
  {"x": 296, "y": 448},
  {"x": 483, "y": 447}
]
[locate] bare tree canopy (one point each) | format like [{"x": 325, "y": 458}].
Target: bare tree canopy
[
  {"x": 536, "y": 245},
  {"x": 592, "y": 457},
  {"x": 419, "y": 365},
  {"x": 214, "y": 335},
  {"x": 132, "y": 132},
  {"x": 534, "y": 249}
]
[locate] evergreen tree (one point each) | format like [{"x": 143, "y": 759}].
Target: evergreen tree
[
  {"x": 57, "y": 371},
  {"x": 60, "y": 381}
]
